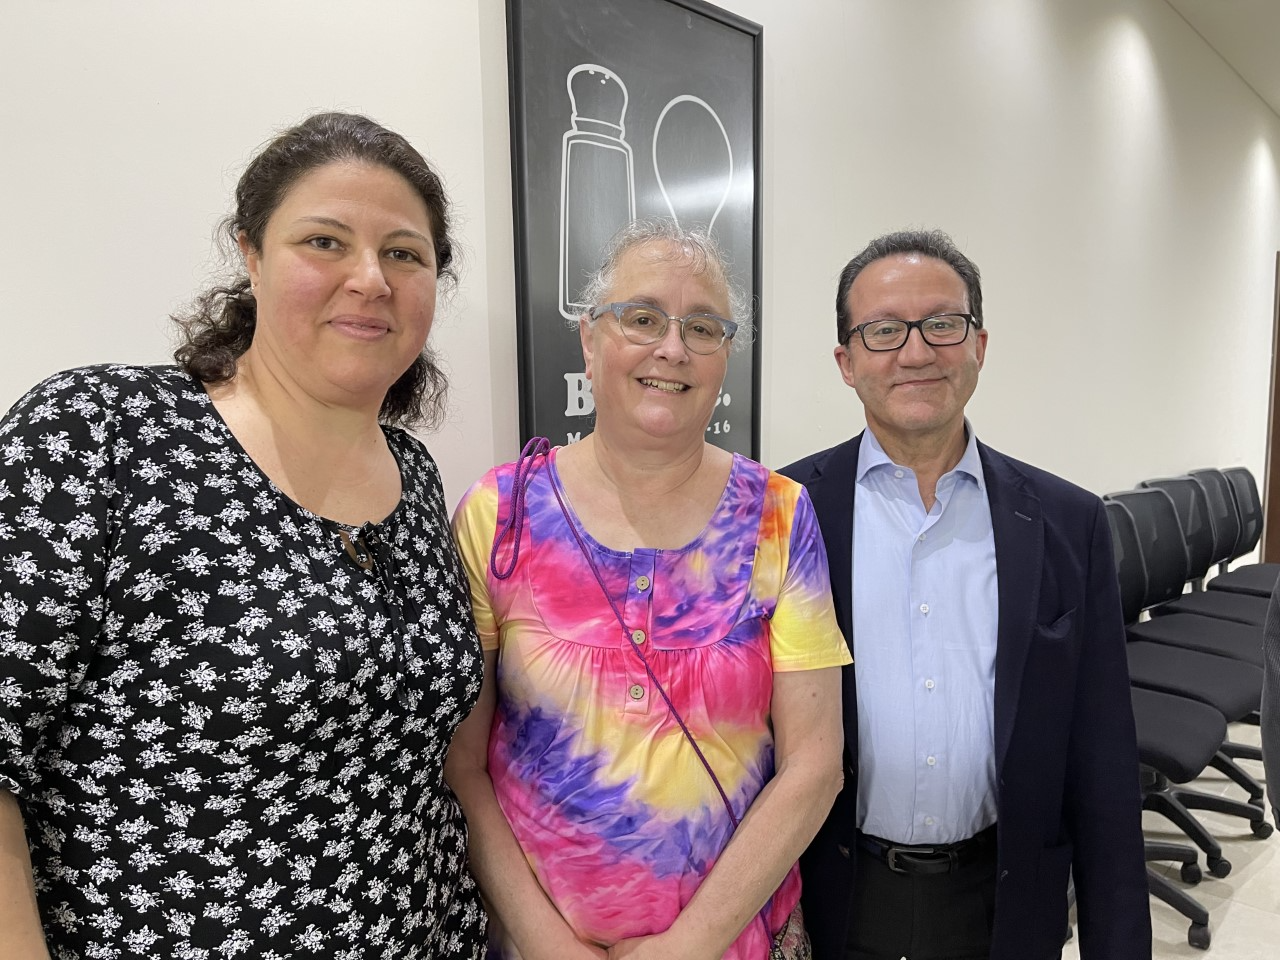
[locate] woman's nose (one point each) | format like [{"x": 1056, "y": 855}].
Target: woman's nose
[
  {"x": 672, "y": 345},
  {"x": 367, "y": 276}
]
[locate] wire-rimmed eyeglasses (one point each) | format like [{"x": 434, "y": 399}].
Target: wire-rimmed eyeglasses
[
  {"x": 644, "y": 323},
  {"x": 944, "y": 330}
]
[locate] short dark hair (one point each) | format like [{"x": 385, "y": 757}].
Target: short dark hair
[
  {"x": 926, "y": 243},
  {"x": 218, "y": 327}
]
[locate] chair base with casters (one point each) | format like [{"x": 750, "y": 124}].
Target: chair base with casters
[
  {"x": 1175, "y": 803},
  {"x": 1224, "y": 761},
  {"x": 1198, "y": 934}
]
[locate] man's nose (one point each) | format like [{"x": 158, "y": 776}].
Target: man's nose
[{"x": 916, "y": 351}]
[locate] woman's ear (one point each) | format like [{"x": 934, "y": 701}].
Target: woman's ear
[
  {"x": 584, "y": 335},
  {"x": 252, "y": 258}
]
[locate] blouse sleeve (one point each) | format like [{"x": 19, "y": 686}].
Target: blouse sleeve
[
  {"x": 804, "y": 634},
  {"x": 475, "y": 521},
  {"x": 56, "y": 483}
]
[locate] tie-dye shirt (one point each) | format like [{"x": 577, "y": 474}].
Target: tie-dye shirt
[{"x": 617, "y": 817}]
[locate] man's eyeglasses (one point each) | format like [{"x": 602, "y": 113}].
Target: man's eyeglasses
[
  {"x": 644, "y": 323},
  {"x": 944, "y": 330}
]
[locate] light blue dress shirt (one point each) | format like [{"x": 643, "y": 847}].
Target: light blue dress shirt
[{"x": 924, "y": 641}]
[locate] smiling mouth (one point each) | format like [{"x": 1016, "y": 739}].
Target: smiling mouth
[
  {"x": 666, "y": 386},
  {"x": 361, "y": 327}
]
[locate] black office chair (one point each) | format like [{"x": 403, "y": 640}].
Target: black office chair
[
  {"x": 1164, "y": 548},
  {"x": 1176, "y": 740},
  {"x": 1232, "y": 687},
  {"x": 1204, "y": 548},
  {"x": 1222, "y": 513},
  {"x": 1256, "y": 579}
]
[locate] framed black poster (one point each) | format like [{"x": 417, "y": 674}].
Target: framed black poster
[{"x": 623, "y": 109}]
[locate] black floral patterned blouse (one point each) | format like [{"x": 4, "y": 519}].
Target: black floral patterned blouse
[{"x": 225, "y": 734}]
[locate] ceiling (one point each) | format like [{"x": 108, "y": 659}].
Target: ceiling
[{"x": 1246, "y": 34}]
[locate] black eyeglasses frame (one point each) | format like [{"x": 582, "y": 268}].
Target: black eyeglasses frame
[{"x": 969, "y": 318}]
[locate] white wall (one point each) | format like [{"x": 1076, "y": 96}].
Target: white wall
[
  {"x": 124, "y": 127},
  {"x": 1115, "y": 180}
]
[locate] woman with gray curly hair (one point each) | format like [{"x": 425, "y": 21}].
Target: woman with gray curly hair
[{"x": 658, "y": 734}]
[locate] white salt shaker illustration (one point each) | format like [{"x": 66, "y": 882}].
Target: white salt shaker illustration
[
  {"x": 597, "y": 180},
  {"x": 692, "y": 161}
]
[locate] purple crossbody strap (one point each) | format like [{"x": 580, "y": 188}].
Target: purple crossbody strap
[{"x": 514, "y": 526}]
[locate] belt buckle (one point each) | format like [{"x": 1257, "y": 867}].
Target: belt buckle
[{"x": 891, "y": 856}]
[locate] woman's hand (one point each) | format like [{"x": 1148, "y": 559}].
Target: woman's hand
[
  {"x": 657, "y": 947},
  {"x": 566, "y": 949}
]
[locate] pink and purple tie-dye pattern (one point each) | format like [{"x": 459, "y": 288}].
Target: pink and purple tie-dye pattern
[{"x": 617, "y": 817}]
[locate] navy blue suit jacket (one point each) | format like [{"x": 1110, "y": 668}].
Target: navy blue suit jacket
[{"x": 1066, "y": 755}]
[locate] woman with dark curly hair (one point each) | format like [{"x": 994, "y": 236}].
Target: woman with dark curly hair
[{"x": 235, "y": 636}]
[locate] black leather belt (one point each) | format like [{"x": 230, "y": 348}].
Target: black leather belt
[{"x": 929, "y": 860}]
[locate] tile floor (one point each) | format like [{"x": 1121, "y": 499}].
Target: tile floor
[{"x": 1244, "y": 907}]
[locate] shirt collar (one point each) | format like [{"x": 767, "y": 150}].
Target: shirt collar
[{"x": 871, "y": 454}]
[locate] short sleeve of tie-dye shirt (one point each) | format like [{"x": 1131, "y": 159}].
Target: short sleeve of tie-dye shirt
[{"x": 618, "y": 818}]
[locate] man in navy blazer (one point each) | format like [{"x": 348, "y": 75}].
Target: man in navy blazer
[{"x": 990, "y": 747}]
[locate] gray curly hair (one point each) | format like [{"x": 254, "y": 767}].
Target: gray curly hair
[{"x": 689, "y": 245}]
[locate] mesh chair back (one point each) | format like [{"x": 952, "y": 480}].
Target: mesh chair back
[
  {"x": 1248, "y": 506},
  {"x": 1164, "y": 550},
  {"x": 1193, "y": 513},
  {"x": 1222, "y": 512},
  {"x": 1129, "y": 566}
]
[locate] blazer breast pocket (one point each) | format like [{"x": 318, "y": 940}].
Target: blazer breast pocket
[{"x": 1060, "y": 629}]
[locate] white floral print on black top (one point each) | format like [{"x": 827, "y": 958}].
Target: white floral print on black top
[{"x": 227, "y": 738}]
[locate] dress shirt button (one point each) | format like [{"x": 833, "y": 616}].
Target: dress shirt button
[
  {"x": 636, "y": 692},
  {"x": 922, "y": 537},
  {"x": 931, "y": 761},
  {"x": 924, "y": 608},
  {"x": 929, "y": 684},
  {"x": 898, "y": 474},
  {"x": 642, "y": 582},
  {"x": 637, "y": 636},
  {"x": 928, "y": 821}
]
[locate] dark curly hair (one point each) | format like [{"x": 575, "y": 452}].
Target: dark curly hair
[{"x": 219, "y": 325}]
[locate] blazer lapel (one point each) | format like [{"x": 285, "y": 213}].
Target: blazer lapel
[
  {"x": 1018, "y": 526},
  {"x": 832, "y": 495},
  {"x": 831, "y": 488}
]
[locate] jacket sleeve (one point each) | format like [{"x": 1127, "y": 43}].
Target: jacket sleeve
[{"x": 1103, "y": 806}]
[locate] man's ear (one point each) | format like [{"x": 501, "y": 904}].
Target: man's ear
[{"x": 844, "y": 360}]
